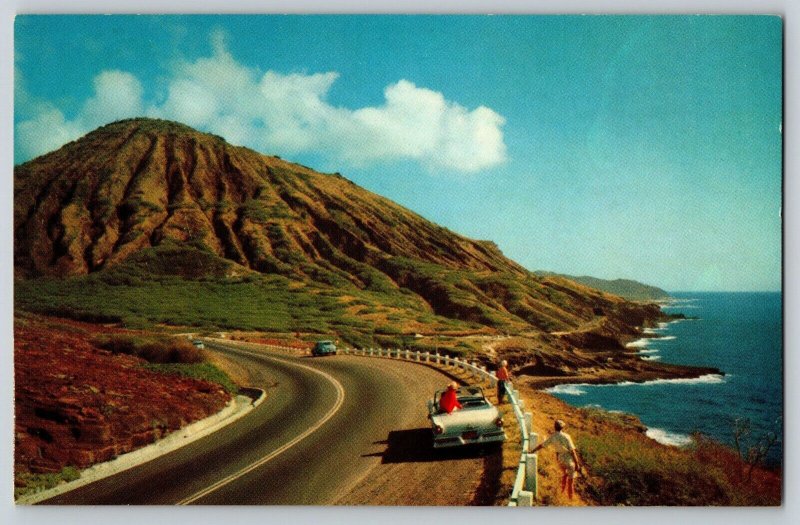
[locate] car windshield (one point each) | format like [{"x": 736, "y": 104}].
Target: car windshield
[{"x": 472, "y": 402}]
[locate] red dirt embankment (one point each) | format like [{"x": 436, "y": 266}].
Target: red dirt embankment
[{"x": 76, "y": 404}]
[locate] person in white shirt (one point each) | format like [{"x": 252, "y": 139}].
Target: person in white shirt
[{"x": 566, "y": 454}]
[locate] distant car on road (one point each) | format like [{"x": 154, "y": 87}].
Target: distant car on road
[
  {"x": 198, "y": 344},
  {"x": 324, "y": 348},
  {"x": 478, "y": 422}
]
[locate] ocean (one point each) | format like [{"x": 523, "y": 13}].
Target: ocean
[{"x": 741, "y": 334}]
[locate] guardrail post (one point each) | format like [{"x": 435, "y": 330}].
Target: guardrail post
[
  {"x": 525, "y": 498},
  {"x": 529, "y": 427},
  {"x": 531, "y": 481},
  {"x": 427, "y": 357},
  {"x": 370, "y": 351},
  {"x": 437, "y": 358},
  {"x": 416, "y": 358}
]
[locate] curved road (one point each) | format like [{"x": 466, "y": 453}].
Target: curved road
[{"x": 341, "y": 429}]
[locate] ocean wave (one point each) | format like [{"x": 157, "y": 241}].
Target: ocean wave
[
  {"x": 708, "y": 379},
  {"x": 651, "y": 357},
  {"x": 687, "y": 300},
  {"x": 665, "y": 437},
  {"x": 579, "y": 389},
  {"x": 648, "y": 351},
  {"x": 567, "y": 390},
  {"x": 639, "y": 343},
  {"x": 667, "y": 338}
]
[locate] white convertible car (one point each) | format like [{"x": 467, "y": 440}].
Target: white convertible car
[{"x": 477, "y": 422}]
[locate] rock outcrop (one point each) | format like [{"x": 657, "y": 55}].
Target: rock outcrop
[{"x": 78, "y": 405}]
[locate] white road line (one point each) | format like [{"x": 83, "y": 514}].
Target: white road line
[{"x": 233, "y": 477}]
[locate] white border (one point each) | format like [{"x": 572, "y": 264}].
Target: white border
[{"x": 10, "y": 514}]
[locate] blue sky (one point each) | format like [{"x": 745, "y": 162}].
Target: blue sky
[{"x": 636, "y": 147}]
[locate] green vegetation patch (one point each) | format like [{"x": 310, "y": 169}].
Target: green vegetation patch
[
  {"x": 253, "y": 302},
  {"x": 204, "y": 371},
  {"x": 27, "y": 483}
]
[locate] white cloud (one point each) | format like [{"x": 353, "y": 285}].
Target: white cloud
[
  {"x": 116, "y": 95},
  {"x": 289, "y": 113},
  {"x": 46, "y": 131}
]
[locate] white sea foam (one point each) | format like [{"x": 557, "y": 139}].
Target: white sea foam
[
  {"x": 667, "y": 338},
  {"x": 682, "y": 301},
  {"x": 648, "y": 351},
  {"x": 708, "y": 379},
  {"x": 666, "y": 437},
  {"x": 569, "y": 390},
  {"x": 639, "y": 343},
  {"x": 651, "y": 357},
  {"x": 578, "y": 389}
]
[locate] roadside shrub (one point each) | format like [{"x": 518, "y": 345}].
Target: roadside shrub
[
  {"x": 355, "y": 339},
  {"x": 203, "y": 371},
  {"x": 627, "y": 472},
  {"x": 27, "y": 482},
  {"x": 152, "y": 349},
  {"x": 388, "y": 341}
]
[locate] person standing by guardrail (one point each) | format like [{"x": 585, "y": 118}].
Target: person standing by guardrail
[
  {"x": 567, "y": 456},
  {"x": 503, "y": 378}
]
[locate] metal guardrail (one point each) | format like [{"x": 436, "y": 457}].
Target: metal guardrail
[{"x": 525, "y": 489}]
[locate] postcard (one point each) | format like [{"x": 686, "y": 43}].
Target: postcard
[{"x": 400, "y": 260}]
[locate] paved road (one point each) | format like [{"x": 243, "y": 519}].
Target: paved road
[{"x": 326, "y": 428}]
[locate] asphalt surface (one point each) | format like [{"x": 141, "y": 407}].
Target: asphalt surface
[{"x": 321, "y": 432}]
